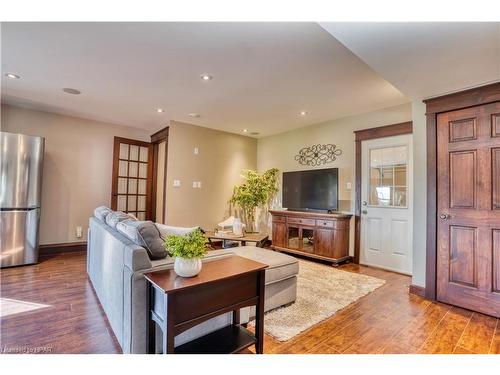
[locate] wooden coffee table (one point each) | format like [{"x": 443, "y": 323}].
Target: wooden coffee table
[
  {"x": 259, "y": 238},
  {"x": 223, "y": 285}
]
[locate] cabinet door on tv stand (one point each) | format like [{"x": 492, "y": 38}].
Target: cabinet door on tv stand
[
  {"x": 323, "y": 242},
  {"x": 279, "y": 234}
]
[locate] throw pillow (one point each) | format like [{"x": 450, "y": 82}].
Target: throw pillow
[
  {"x": 166, "y": 230},
  {"x": 114, "y": 217},
  {"x": 145, "y": 234},
  {"x": 101, "y": 213}
]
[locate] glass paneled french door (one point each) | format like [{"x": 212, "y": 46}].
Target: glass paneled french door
[{"x": 132, "y": 177}]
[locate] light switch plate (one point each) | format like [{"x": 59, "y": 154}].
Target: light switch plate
[
  {"x": 349, "y": 186},
  {"x": 177, "y": 183},
  {"x": 195, "y": 184},
  {"x": 196, "y": 151}
]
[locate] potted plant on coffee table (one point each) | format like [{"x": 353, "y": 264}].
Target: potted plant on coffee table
[{"x": 188, "y": 250}]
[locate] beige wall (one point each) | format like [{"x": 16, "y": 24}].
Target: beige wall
[
  {"x": 77, "y": 167},
  {"x": 278, "y": 151},
  {"x": 218, "y": 167}
]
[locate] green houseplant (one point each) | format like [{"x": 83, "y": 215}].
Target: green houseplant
[
  {"x": 257, "y": 190},
  {"x": 187, "y": 251}
]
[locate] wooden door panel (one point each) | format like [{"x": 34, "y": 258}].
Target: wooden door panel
[
  {"x": 463, "y": 255},
  {"x": 468, "y": 247},
  {"x": 495, "y": 125},
  {"x": 462, "y": 130},
  {"x": 495, "y": 176},
  {"x": 462, "y": 179},
  {"x": 496, "y": 261}
]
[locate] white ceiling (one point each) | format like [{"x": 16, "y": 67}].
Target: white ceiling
[
  {"x": 425, "y": 59},
  {"x": 264, "y": 74}
]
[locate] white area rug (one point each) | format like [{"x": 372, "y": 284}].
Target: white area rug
[
  {"x": 11, "y": 306},
  {"x": 321, "y": 291}
]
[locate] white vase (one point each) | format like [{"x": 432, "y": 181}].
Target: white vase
[
  {"x": 187, "y": 267},
  {"x": 237, "y": 227}
]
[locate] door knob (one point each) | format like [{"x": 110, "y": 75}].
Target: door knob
[
  {"x": 364, "y": 203},
  {"x": 364, "y": 212},
  {"x": 443, "y": 216}
]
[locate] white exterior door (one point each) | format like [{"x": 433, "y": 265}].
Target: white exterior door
[{"x": 387, "y": 203}]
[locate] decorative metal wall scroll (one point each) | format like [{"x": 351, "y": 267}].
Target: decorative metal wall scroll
[{"x": 318, "y": 154}]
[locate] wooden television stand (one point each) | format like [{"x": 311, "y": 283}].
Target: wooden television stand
[{"x": 315, "y": 235}]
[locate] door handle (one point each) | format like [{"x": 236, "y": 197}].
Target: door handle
[
  {"x": 364, "y": 212},
  {"x": 444, "y": 216},
  {"x": 364, "y": 203}
]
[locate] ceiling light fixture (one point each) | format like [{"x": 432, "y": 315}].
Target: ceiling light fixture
[
  {"x": 303, "y": 113},
  {"x": 206, "y": 77},
  {"x": 69, "y": 90},
  {"x": 195, "y": 115},
  {"x": 12, "y": 76},
  {"x": 245, "y": 130},
  {"x": 159, "y": 110}
]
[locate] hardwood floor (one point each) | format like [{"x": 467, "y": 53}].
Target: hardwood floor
[{"x": 389, "y": 320}]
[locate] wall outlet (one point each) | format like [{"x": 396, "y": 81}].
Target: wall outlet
[
  {"x": 79, "y": 232},
  {"x": 196, "y": 151},
  {"x": 177, "y": 183},
  {"x": 349, "y": 186}
]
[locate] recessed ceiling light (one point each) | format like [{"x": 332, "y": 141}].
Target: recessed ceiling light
[
  {"x": 159, "y": 110},
  {"x": 303, "y": 113},
  {"x": 245, "y": 130},
  {"x": 12, "y": 76},
  {"x": 195, "y": 115},
  {"x": 206, "y": 77},
  {"x": 254, "y": 133},
  {"x": 69, "y": 90}
]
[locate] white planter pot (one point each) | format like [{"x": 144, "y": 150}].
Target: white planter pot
[{"x": 187, "y": 267}]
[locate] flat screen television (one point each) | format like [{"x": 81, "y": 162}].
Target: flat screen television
[{"x": 315, "y": 190}]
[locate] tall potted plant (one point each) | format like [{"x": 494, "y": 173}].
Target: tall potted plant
[
  {"x": 256, "y": 191},
  {"x": 188, "y": 250}
]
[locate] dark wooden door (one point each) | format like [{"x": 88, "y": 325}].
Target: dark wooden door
[
  {"x": 132, "y": 180},
  {"x": 468, "y": 252}
]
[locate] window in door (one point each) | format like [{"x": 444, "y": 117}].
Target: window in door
[{"x": 388, "y": 177}]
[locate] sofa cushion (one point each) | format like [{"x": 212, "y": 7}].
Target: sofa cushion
[
  {"x": 166, "y": 230},
  {"x": 281, "y": 266},
  {"x": 114, "y": 217},
  {"x": 101, "y": 212},
  {"x": 145, "y": 234}
]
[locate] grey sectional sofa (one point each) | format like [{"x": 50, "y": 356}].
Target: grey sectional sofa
[{"x": 116, "y": 265}]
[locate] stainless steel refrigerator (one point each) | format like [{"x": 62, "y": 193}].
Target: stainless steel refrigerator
[{"x": 21, "y": 161}]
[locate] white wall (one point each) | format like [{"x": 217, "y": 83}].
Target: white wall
[{"x": 278, "y": 151}]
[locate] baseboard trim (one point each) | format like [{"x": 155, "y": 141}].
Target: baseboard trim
[
  {"x": 59, "y": 248},
  {"x": 418, "y": 290}
]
